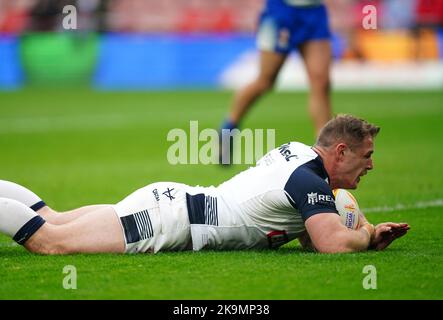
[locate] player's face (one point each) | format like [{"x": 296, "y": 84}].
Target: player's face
[{"x": 356, "y": 163}]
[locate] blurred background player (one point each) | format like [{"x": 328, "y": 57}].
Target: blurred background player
[{"x": 286, "y": 25}]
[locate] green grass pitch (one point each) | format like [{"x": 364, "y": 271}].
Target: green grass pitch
[{"x": 79, "y": 147}]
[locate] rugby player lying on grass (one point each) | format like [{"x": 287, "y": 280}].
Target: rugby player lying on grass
[{"x": 262, "y": 207}]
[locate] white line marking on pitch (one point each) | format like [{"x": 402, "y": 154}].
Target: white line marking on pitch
[{"x": 397, "y": 207}]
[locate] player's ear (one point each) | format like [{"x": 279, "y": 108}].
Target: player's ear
[{"x": 340, "y": 150}]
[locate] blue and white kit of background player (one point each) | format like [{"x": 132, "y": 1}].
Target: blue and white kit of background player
[
  {"x": 264, "y": 206},
  {"x": 286, "y": 24}
]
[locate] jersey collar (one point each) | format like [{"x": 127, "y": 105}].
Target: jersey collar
[{"x": 319, "y": 168}]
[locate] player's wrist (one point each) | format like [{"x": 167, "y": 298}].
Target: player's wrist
[
  {"x": 362, "y": 219},
  {"x": 370, "y": 230}
]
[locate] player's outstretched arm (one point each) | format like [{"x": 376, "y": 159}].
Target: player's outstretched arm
[{"x": 329, "y": 235}]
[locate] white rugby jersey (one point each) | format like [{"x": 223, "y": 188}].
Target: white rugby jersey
[{"x": 264, "y": 206}]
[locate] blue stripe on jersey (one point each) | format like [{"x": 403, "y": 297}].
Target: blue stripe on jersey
[
  {"x": 144, "y": 224},
  {"x": 307, "y": 190},
  {"x": 211, "y": 214},
  {"x": 137, "y": 226},
  {"x": 130, "y": 227},
  {"x": 196, "y": 208},
  {"x": 202, "y": 209}
]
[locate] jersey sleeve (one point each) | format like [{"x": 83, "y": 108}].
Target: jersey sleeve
[{"x": 309, "y": 194}]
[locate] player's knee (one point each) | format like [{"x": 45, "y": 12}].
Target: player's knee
[
  {"x": 47, "y": 248},
  {"x": 48, "y": 214},
  {"x": 45, "y": 241},
  {"x": 54, "y": 249},
  {"x": 320, "y": 82}
]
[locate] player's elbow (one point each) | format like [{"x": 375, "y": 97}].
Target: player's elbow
[{"x": 47, "y": 242}]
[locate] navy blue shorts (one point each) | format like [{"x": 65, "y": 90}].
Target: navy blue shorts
[{"x": 283, "y": 28}]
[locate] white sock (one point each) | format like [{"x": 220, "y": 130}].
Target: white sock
[
  {"x": 18, "y": 220},
  {"x": 17, "y": 192}
]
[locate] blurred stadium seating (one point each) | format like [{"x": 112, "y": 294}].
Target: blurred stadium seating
[{"x": 151, "y": 44}]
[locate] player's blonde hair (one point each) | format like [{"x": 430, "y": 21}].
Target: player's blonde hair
[{"x": 346, "y": 128}]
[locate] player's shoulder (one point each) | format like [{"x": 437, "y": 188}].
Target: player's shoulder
[
  {"x": 311, "y": 173},
  {"x": 309, "y": 169},
  {"x": 307, "y": 181}
]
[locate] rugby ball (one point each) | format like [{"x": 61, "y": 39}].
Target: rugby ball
[{"x": 347, "y": 207}]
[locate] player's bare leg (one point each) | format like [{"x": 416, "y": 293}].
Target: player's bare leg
[
  {"x": 270, "y": 65},
  {"x": 57, "y": 218},
  {"x": 317, "y": 56},
  {"x": 96, "y": 232}
]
